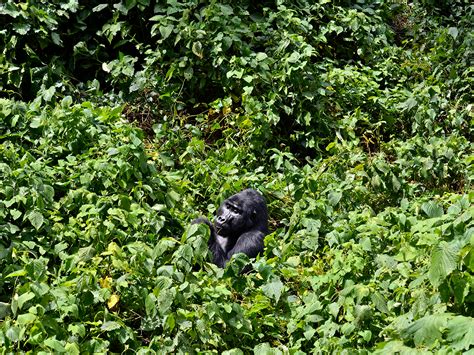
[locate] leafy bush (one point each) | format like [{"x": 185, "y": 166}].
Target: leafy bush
[{"x": 137, "y": 117}]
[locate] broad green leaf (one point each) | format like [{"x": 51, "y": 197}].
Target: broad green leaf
[
  {"x": 112, "y": 151},
  {"x": 56, "y": 39},
  {"x": 4, "y": 310},
  {"x": 4, "y": 252},
  {"x": 23, "y": 298},
  {"x": 165, "y": 300},
  {"x": 170, "y": 322},
  {"x": 172, "y": 197},
  {"x": 36, "y": 268},
  {"x": 261, "y": 56},
  {"x": 407, "y": 253},
  {"x": 77, "y": 329},
  {"x": 333, "y": 309},
  {"x": 99, "y": 7},
  {"x": 49, "y": 93},
  {"x": 404, "y": 204},
  {"x": 85, "y": 254},
  {"x": 72, "y": 349},
  {"x": 15, "y": 214},
  {"x": 22, "y": 28},
  {"x": 55, "y": 344},
  {"x": 226, "y": 10},
  {"x": 432, "y": 209},
  {"x": 36, "y": 219},
  {"x": 376, "y": 181},
  {"x": 106, "y": 67},
  {"x": 444, "y": 260},
  {"x": 110, "y": 325},
  {"x": 408, "y": 104},
  {"x": 461, "y": 333},
  {"x": 393, "y": 347},
  {"x": 13, "y": 333},
  {"x": 48, "y": 192},
  {"x": 36, "y": 122},
  {"x": 266, "y": 349},
  {"x": 136, "y": 141},
  {"x": 334, "y": 197},
  {"x": 150, "y": 304},
  {"x": 453, "y": 32},
  {"x": 26, "y": 318},
  {"x": 348, "y": 328},
  {"x": 379, "y": 302},
  {"x": 166, "y": 31},
  {"x": 461, "y": 288},
  {"x": 58, "y": 248},
  {"x": 273, "y": 289},
  {"x": 395, "y": 183},
  {"x": 427, "y": 330},
  {"x": 330, "y": 146},
  {"x": 294, "y": 57}
]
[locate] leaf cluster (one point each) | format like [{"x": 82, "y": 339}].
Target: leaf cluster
[{"x": 122, "y": 122}]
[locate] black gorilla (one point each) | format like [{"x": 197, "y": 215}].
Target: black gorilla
[{"x": 240, "y": 226}]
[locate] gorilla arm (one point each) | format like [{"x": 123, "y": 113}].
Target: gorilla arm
[
  {"x": 250, "y": 243},
  {"x": 218, "y": 255}
]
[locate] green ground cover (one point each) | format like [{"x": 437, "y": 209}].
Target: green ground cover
[{"x": 120, "y": 123}]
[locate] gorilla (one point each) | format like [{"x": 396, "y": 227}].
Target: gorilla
[{"x": 240, "y": 226}]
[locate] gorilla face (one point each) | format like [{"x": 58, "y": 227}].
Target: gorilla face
[
  {"x": 241, "y": 213},
  {"x": 231, "y": 218}
]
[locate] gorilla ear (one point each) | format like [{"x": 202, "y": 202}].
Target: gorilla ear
[{"x": 253, "y": 215}]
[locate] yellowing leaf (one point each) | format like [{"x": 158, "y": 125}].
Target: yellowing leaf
[
  {"x": 113, "y": 301},
  {"x": 113, "y": 247},
  {"x": 105, "y": 67},
  {"x": 105, "y": 282}
]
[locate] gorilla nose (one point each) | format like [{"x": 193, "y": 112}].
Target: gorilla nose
[{"x": 220, "y": 219}]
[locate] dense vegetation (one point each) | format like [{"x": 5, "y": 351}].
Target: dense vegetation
[{"x": 120, "y": 123}]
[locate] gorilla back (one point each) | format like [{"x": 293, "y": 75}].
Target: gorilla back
[{"x": 240, "y": 226}]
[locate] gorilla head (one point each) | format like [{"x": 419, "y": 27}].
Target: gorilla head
[
  {"x": 240, "y": 226},
  {"x": 240, "y": 213}
]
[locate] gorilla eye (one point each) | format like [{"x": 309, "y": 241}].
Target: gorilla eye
[{"x": 233, "y": 208}]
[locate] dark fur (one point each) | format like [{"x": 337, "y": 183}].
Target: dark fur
[{"x": 240, "y": 226}]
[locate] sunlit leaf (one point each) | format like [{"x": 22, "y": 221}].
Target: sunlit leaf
[
  {"x": 453, "y": 32},
  {"x": 432, "y": 209},
  {"x": 273, "y": 289},
  {"x": 427, "y": 330},
  {"x": 334, "y": 197},
  {"x": 113, "y": 301},
  {"x": 443, "y": 261},
  {"x": 461, "y": 332},
  {"x": 110, "y": 325},
  {"x": 36, "y": 219},
  {"x": 166, "y": 31}
]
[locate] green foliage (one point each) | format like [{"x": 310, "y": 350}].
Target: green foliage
[{"x": 354, "y": 119}]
